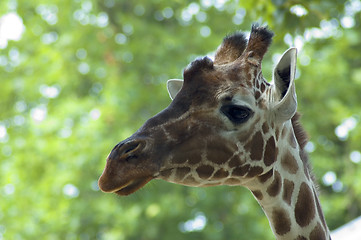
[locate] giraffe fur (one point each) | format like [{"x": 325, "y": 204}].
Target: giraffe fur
[{"x": 227, "y": 125}]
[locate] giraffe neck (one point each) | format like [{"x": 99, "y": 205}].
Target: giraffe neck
[{"x": 288, "y": 195}]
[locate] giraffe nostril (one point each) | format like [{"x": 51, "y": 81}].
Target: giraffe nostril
[
  {"x": 131, "y": 148},
  {"x": 127, "y": 150},
  {"x": 134, "y": 146}
]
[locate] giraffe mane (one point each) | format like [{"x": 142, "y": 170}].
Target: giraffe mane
[
  {"x": 302, "y": 139},
  {"x": 300, "y": 132}
]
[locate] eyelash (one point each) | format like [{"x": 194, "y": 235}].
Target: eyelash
[{"x": 237, "y": 114}]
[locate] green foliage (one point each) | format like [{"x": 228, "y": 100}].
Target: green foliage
[{"x": 86, "y": 74}]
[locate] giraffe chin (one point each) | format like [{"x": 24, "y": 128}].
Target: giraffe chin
[{"x": 132, "y": 186}]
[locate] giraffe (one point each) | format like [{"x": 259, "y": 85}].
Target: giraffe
[{"x": 226, "y": 125}]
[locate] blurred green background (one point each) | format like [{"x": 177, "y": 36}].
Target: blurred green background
[{"x": 78, "y": 76}]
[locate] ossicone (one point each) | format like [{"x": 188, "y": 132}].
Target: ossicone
[{"x": 259, "y": 41}]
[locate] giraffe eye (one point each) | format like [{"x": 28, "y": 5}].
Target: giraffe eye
[{"x": 237, "y": 114}]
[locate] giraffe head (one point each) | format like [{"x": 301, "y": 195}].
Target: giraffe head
[{"x": 220, "y": 128}]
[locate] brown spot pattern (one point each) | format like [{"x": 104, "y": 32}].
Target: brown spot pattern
[
  {"x": 166, "y": 173},
  {"x": 257, "y": 95},
  {"x": 232, "y": 181},
  {"x": 217, "y": 154},
  {"x": 178, "y": 159},
  {"x": 258, "y": 194},
  {"x": 301, "y": 238},
  {"x": 216, "y": 158},
  {"x": 263, "y": 178},
  {"x": 317, "y": 233},
  {"x": 281, "y": 221},
  {"x": 263, "y": 87},
  {"x": 275, "y": 187},
  {"x": 270, "y": 153},
  {"x": 220, "y": 174},
  {"x": 240, "y": 171},
  {"x": 289, "y": 163},
  {"x": 194, "y": 157},
  {"x": 265, "y": 128},
  {"x": 187, "y": 151},
  {"x": 255, "y": 147},
  {"x": 181, "y": 172},
  {"x": 304, "y": 209},
  {"x": 235, "y": 161},
  {"x": 254, "y": 171},
  {"x": 193, "y": 161},
  {"x": 205, "y": 171},
  {"x": 288, "y": 187}
]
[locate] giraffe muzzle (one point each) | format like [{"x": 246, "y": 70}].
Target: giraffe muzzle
[{"x": 122, "y": 162}]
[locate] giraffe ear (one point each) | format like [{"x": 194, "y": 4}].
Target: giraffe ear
[
  {"x": 284, "y": 93},
  {"x": 174, "y": 86}
]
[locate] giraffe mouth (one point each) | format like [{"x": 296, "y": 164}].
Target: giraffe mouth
[{"x": 132, "y": 186}]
